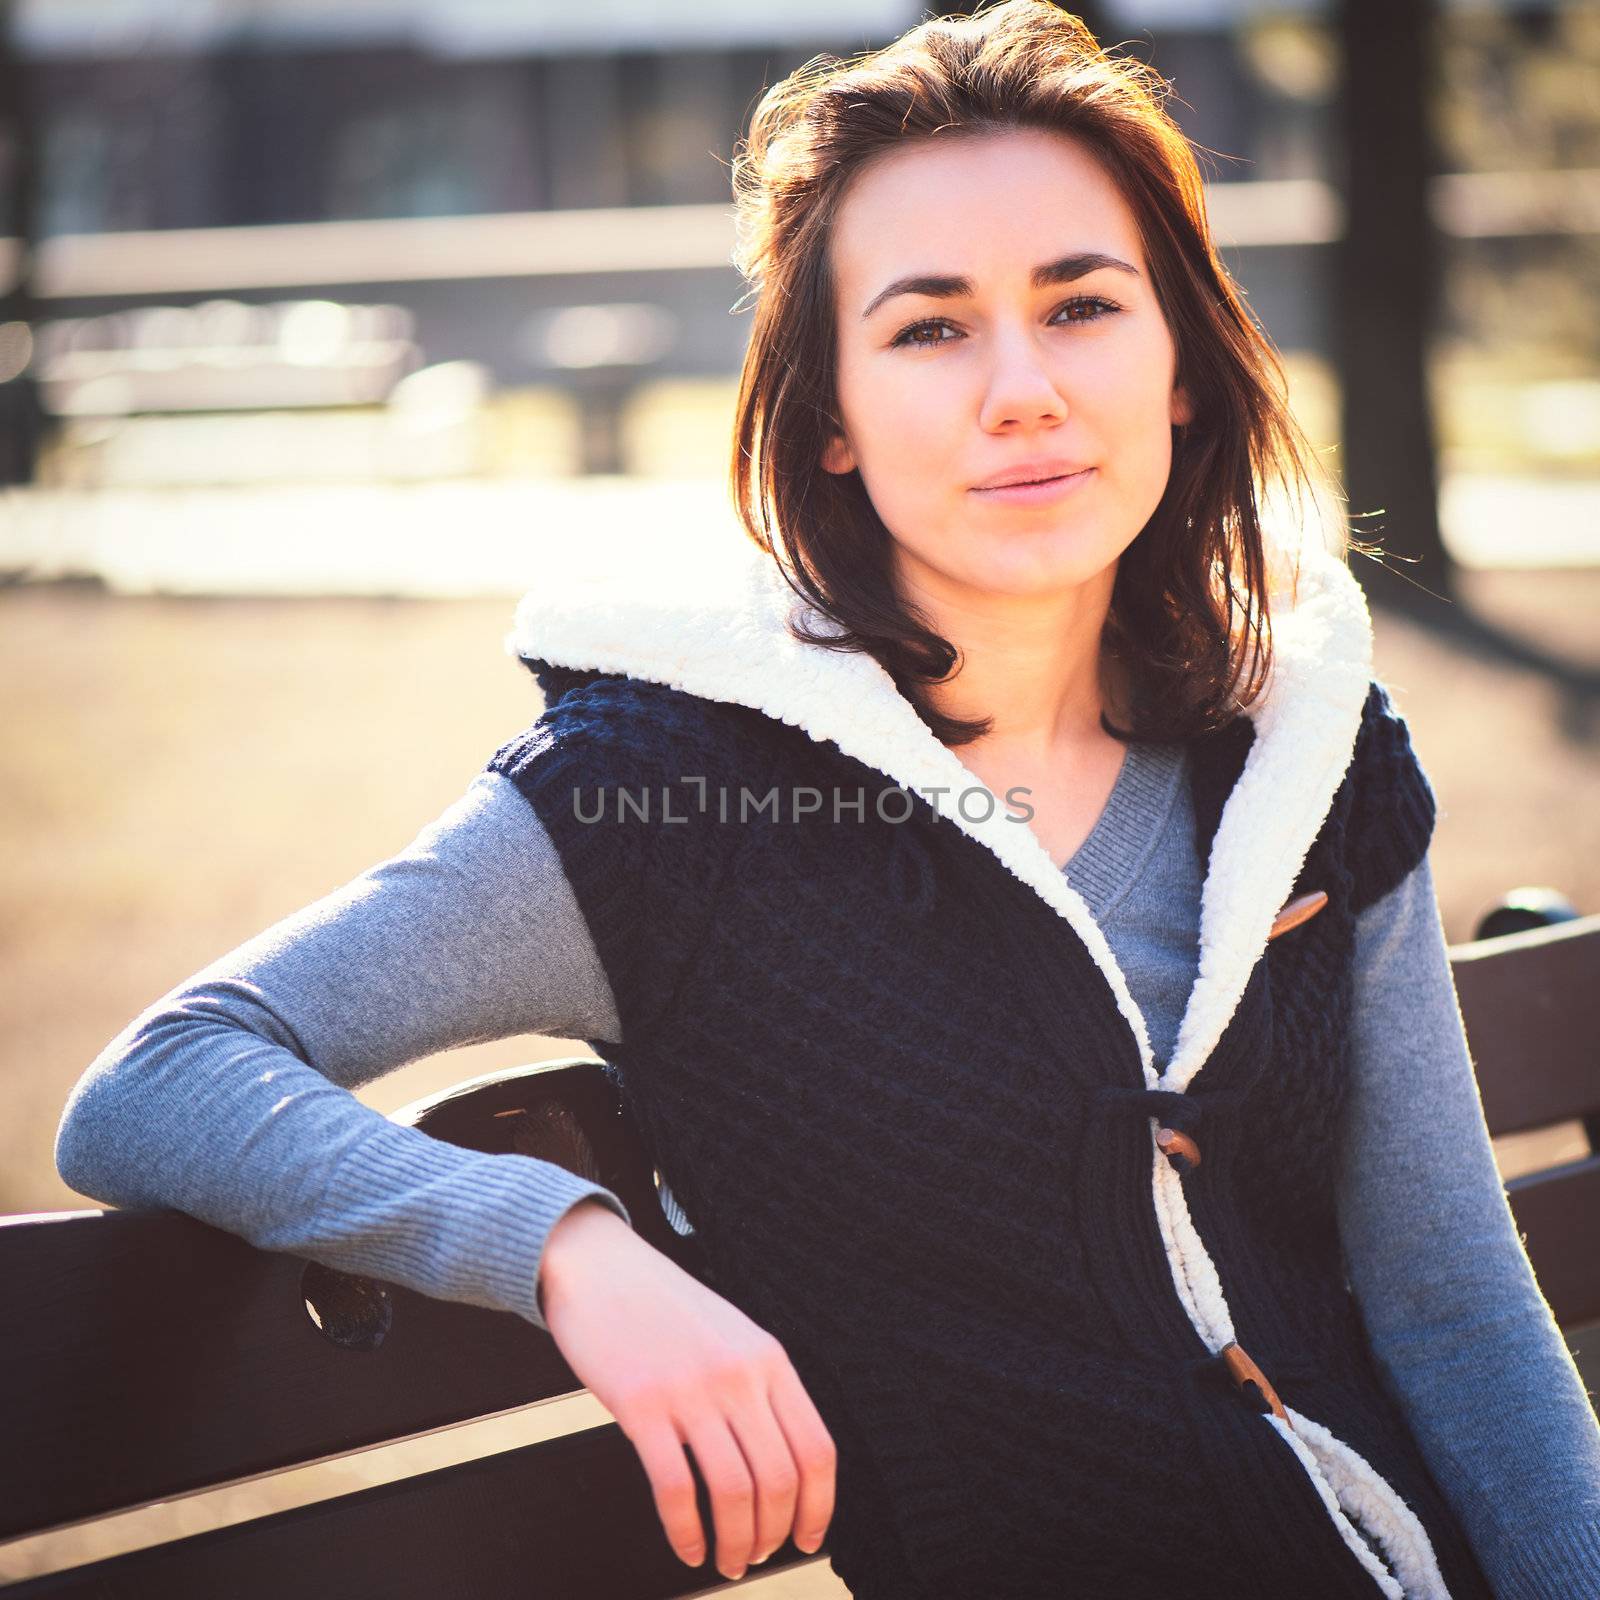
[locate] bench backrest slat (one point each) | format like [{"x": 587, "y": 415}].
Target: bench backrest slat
[
  {"x": 542, "y": 1520},
  {"x": 1531, "y": 1005},
  {"x": 1558, "y": 1212},
  {"x": 148, "y": 1355}
]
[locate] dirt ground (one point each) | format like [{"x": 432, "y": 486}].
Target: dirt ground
[{"x": 180, "y": 773}]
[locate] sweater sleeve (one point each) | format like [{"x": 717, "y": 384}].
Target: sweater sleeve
[
  {"x": 616, "y": 770},
  {"x": 1462, "y": 1336},
  {"x": 229, "y": 1098}
]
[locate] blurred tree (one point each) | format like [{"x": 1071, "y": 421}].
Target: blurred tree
[
  {"x": 1519, "y": 88},
  {"x": 1386, "y": 296},
  {"x": 21, "y": 417}
]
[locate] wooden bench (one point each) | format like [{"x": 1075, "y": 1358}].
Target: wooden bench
[
  {"x": 148, "y": 1356},
  {"x": 1531, "y": 1005}
]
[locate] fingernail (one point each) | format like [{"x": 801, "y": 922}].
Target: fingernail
[
  {"x": 735, "y": 1575},
  {"x": 694, "y": 1555},
  {"x": 809, "y": 1542}
]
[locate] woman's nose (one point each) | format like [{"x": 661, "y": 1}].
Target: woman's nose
[{"x": 1021, "y": 384}]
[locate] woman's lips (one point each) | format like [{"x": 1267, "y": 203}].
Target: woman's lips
[{"x": 1033, "y": 494}]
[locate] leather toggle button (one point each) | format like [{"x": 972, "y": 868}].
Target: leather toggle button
[
  {"x": 1180, "y": 1150},
  {"x": 1246, "y": 1375},
  {"x": 1301, "y": 909}
]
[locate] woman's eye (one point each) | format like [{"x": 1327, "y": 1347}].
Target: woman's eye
[{"x": 1088, "y": 302}]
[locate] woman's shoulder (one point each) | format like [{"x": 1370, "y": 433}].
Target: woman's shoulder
[
  {"x": 1389, "y": 807},
  {"x": 1384, "y": 767},
  {"x": 1384, "y": 733},
  {"x": 611, "y": 724}
]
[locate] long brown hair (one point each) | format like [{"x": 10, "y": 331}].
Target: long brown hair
[{"x": 1188, "y": 616}]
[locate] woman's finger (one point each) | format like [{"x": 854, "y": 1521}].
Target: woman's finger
[
  {"x": 772, "y": 1466},
  {"x": 732, "y": 1490},
  {"x": 814, "y": 1454},
  {"x": 660, "y": 1449}
]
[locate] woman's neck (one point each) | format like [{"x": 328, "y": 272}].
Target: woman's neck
[{"x": 1038, "y": 671}]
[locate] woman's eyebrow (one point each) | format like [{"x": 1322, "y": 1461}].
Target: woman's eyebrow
[{"x": 1065, "y": 269}]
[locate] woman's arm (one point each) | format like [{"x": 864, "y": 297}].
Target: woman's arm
[
  {"x": 229, "y": 1097},
  {"x": 1461, "y": 1333}
]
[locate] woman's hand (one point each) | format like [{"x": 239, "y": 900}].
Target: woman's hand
[{"x": 677, "y": 1364}]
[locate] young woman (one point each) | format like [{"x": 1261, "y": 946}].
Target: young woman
[{"x": 1003, "y": 888}]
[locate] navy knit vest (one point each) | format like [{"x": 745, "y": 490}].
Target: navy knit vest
[{"x": 831, "y": 1023}]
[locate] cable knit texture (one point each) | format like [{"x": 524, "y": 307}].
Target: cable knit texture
[{"x": 830, "y": 1020}]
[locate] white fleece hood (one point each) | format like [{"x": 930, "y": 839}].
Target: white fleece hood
[{"x": 714, "y": 623}]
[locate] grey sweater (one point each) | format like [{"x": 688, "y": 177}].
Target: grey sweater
[{"x": 228, "y": 1098}]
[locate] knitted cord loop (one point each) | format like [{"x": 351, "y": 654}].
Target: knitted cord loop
[{"x": 1173, "y": 1108}]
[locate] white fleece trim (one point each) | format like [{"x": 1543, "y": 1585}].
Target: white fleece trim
[
  {"x": 1306, "y": 728},
  {"x": 717, "y": 627},
  {"x": 719, "y": 631},
  {"x": 1362, "y": 1491},
  {"x": 1363, "y": 1552},
  {"x": 1194, "y": 1273}
]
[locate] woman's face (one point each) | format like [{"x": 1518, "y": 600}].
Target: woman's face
[{"x": 943, "y": 387}]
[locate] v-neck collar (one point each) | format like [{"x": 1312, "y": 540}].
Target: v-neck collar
[
  {"x": 1104, "y": 868},
  {"x": 711, "y": 620}
]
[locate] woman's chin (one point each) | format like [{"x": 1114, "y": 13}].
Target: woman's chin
[
  {"x": 1038, "y": 573},
  {"x": 1013, "y": 565}
]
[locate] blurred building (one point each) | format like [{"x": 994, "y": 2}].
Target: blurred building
[
  {"x": 252, "y": 113},
  {"x": 540, "y": 189}
]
